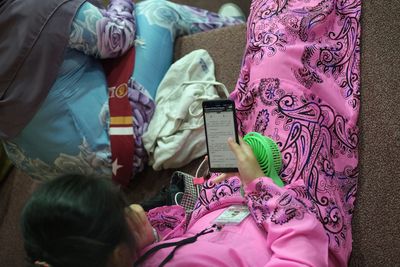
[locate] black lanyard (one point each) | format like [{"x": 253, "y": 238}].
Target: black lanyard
[{"x": 177, "y": 245}]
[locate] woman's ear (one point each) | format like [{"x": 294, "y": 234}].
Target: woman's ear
[{"x": 121, "y": 256}]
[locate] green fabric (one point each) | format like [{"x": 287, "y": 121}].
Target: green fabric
[{"x": 5, "y": 164}]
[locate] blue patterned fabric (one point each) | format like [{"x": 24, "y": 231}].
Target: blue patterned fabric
[
  {"x": 161, "y": 22},
  {"x": 69, "y": 134}
]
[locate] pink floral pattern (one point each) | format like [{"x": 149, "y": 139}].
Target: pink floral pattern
[
  {"x": 277, "y": 211},
  {"x": 169, "y": 221},
  {"x": 267, "y": 203},
  {"x": 301, "y": 66}
]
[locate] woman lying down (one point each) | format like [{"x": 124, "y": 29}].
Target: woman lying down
[
  {"x": 299, "y": 84},
  {"x": 82, "y": 221}
]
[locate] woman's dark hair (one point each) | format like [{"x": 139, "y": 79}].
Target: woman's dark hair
[{"x": 74, "y": 221}]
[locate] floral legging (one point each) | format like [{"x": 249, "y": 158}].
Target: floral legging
[{"x": 155, "y": 23}]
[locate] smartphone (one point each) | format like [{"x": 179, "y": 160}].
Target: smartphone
[{"x": 220, "y": 124}]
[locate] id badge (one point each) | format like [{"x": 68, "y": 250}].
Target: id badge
[{"x": 233, "y": 215}]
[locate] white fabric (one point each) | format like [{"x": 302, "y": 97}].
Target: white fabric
[{"x": 175, "y": 135}]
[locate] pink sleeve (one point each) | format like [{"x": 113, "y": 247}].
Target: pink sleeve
[
  {"x": 295, "y": 237},
  {"x": 169, "y": 221}
]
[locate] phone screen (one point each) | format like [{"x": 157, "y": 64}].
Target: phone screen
[{"x": 220, "y": 124}]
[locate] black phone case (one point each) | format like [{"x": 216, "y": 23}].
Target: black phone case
[{"x": 219, "y": 103}]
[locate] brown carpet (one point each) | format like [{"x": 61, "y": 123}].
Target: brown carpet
[{"x": 14, "y": 192}]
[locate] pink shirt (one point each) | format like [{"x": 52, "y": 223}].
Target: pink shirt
[{"x": 279, "y": 231}]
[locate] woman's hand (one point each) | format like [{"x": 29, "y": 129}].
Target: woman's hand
[
  {"x": 140, "y": 226},
  {"x": 248, "y": 166}
]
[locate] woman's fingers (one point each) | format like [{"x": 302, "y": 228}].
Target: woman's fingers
[
  {"x": 241, "y": 141},
  {"x": 248, "y": 166},
  {"x": 235, "y": 148},
  {"x": 245, "y": 147},
  {"x": 140, "y": 226},
  {"x": 223, "y": 177},
  {"x": 242, "y": 152},
  {"x": 139, "y": 212}
]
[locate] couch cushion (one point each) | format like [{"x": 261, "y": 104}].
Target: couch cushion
[
  {"x": 14, "y": 191},
  {"x": 226, "y": 47},
  {"x": 377, "y": 213}
]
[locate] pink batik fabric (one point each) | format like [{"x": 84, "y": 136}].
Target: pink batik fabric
[
  {"x": 300, "y": 85},
  {"x": 279, "y": 232}
]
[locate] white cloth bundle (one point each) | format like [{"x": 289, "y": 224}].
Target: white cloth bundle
[{"x": 175, "y": 135}]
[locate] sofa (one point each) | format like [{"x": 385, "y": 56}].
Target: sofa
[{"x": 376, "y": 232}]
